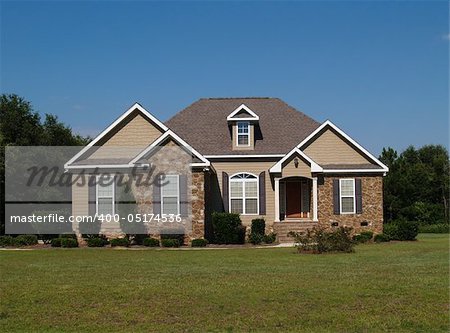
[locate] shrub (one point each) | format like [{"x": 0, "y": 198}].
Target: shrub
[
  {"x": 402, "y": 230},
  {"x": 178, "y": 237},
  {"x": 270, "y": 238},
  {"x": 56, "y": 242},
  {"x": 72, "y": 236},
  {"x": 68, "y": 242},
  {"x": 151, "y": 242},
  {"x": 363, "y": 237},
  {"x": 227, "y": 228},
  {"x": 6, "y": 241},
  {"x": 119, "y": 242},
  {"x": 22, "y": 240},
  {"x": 381, "y": 238},
  {"x": 170, "y": 242},
  {"x": 318, "y": 240},
  {"x": 440, "y": 228},
  {"x": 256, "y": 238},
  {"x": 200, "y": 242},
  {"x": 137, "y": 239},
  {"x": 258, "y": 226},
  {"x": 47, "y": 238},
  {"x": 98, "y": 241}
]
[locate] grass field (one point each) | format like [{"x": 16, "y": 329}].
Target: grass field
[{"x": 398, "y": 287}]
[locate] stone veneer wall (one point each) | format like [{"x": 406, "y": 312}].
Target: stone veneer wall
[
  {"x": 198, "y": 206},
  {"x": 372, "y": 204}
]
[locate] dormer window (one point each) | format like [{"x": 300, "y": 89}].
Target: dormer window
[{"x": 243, "y": 133}]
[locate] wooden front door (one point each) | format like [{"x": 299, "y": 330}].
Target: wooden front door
[{"x": 293, "y": 200}]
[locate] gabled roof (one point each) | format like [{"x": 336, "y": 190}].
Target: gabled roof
[
  {"x": 204, "y": 125},
  {"x": 277, "y": 168},
  {"x": 242, "y": 113},
  {"x": 310, "y": 138},
  {"x": 166, "y": 136}
]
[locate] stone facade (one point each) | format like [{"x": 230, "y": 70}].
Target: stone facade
[
  {"x": 198, "y": 206},
  {"x": 372, "y": 204}
]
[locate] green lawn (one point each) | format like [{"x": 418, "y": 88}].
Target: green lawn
[{"x": 397, "y": 287}]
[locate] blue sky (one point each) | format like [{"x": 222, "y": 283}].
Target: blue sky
[{"x": 379, "y": 70}]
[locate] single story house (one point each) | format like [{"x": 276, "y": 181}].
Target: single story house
[{"x": 258, "y": 157}]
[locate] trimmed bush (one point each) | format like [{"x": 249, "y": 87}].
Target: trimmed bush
[
  {"x": 56, "y": 242},
  {"x": 258, "y": 226},
  {"x": 440, "y": 228},
  {"x": 99, "y": 241},
  {"x": 227, "y": 228},
  {"x": 200, "y": 242},
  {"x": 23, "y": 240},
  {"x": 119, "y": 242},
  {"x": 318, "y": 240},
  {"x": 401, "y": 230},
  {"x": 150, "y": 242},
  {"x": 363, "y": 237},
  {"x": 68, "y": 242},
  {"x": 178, "y": 237},
  {"x": 380, "y": 238},
  {"x": 270, "y": 238},
  {"x": 6, "y": 241},
  {"x": 170, "y": 242},
  {"x": 256, "y": 238}
]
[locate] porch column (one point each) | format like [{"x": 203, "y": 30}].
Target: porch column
[
  {"x": 314, "y": 190},
  {"x": 277, "y": 199}
]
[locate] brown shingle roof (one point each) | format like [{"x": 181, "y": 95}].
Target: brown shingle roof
[{"x": 204, "y": 125}]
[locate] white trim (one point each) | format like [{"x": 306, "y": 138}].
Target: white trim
[
  {"x": 183, "y": 143},
  {"x": 247, "y": 109},
  {"x": 244, "y": 197},
  {"x": 244, "y": 156},
  {"x": 315, "y": 205},
  {"x": 171, "y": 196},
  {"x": 104, "y": 166},
  {"x": 352, "y": 170},
  {"x": 277, "y": 199},
  {"x": 135, "y": 106},
  {"x": 277, "y": 168},
  {"x": 243, "y": 134},
  {"x": 347, "y": 196},
  {"x": 353, "y": 142},
  {"x": 113, "y": 197}
]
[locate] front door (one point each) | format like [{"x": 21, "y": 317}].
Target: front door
[{"x": 293, "y": 200}]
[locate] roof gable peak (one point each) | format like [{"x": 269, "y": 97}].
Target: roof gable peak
[{"x": 251, "y": 115}]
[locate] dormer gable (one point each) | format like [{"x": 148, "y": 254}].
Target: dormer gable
[
  {"x": 242, "y": 122},
  {"x": 243, "y": 113}
]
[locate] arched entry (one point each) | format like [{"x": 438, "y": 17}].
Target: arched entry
[{"x": 295, "y": 198}]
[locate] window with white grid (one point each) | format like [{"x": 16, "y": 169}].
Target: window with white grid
[{"x": 244, "y": 194}]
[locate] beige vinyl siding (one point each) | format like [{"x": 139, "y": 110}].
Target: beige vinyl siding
[
  {"x": 329, "y": 148},
  {"x": 252, "y": 138},
  {"x": 289, "y": 169},
  {"x": 137, "y": 133},
  {"x": 255, "y": 168},
  {"x": 80, "y": 198}
]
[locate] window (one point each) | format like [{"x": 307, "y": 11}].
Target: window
[
  {"x": 244, "y": 194},
  {"x": 347, "y": 196},
  {"x": 105, "y": 195},
  {"x": 170, "y": 195},
  {"x": 243, "y": 133}
]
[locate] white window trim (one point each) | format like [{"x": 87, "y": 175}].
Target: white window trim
[
  {"x": 347, "y": 196},
  {"x": 244, "y": 134},
  {"x": 244, "y": 197},
  {"x": 171, "y": 196},
  {"x": 113, "y": 197}
]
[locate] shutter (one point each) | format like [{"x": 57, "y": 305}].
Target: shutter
[
  {"x": 225, "y": 190},
  {"x": 92, "y": 192},
  {"x": 184, "y": 208},
  {"x": 336, "y": 199},
  {"x": 358, "y": 194},
  {"x": 305, "y": 197},
  {"x": 157, "y": 197},
  {"x": 262, "y": 193}
]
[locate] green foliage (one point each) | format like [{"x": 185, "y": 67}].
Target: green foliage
[
  {"x": 380, "y": 238},
  {"x": 47, "y": 238},
  {"x": 98, "y": 241},
  {"x": 256, "y": 238},
  {"x": 199, "y": 242},
  {"x": 227, "y": 228},
  {"x": 178, "y": 237},
  {"x": 270, "y": 238},
  {"x": 68, "y": 242},
  {"x": 119, "y": 242},
  {"x": 6, "y": 241},
  {"x": 23, "y": 240},
  {"x": 416, "y": 187},
  {"x": 434, "y": 229},
  {"x": 318, "y": 240},
  {"x": 363, "y": 237},
  {"x": 258, "y": 226},
  {"x": 401, "y": 230},
  {"x": 170, "y": 242},
  {"x": 56, "y": 242},
  {"x": 150, "y": 242}
]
